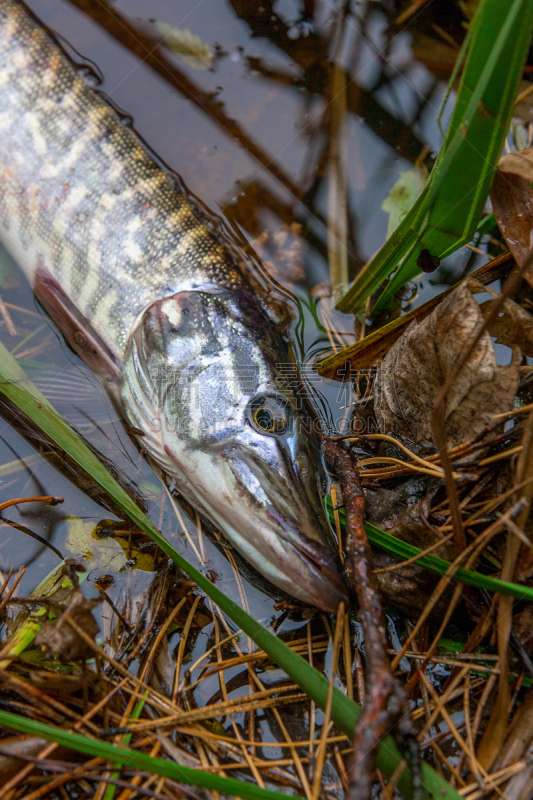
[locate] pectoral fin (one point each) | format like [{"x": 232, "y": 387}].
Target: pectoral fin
[{"x": 77, "y": 331}]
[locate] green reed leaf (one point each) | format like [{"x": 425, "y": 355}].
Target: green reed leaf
[
  {"x": 446, "y": 214},
  {"x": 390, "y": 543},
  {"x": 124, "y": 756}
]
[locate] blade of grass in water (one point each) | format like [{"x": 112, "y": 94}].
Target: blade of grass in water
[
  {"x": 126, "y": 739},
  {"x": 344, "y": 712},
  {"x": 447, "y": 212},
  {"x": 390, "y": 543},
  {"x": 134, "y": 760},
  {"x": 337, "y": 176}
]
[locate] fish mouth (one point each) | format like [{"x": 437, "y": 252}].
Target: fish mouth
[
  {"x": 326, "y": 588},
  {"x": 283, "y": 533},
  {"x": 274, "y": 520},
  {"x": 307, "y": 572},
  {"x": 312, "y": 569},
  {"x": 293, "y": 551}
]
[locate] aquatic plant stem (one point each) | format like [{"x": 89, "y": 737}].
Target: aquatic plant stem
[
  {"x": 53, "y": 501},
  {"x": 386, "y": 706}
]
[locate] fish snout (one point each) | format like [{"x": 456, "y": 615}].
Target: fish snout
[
  {"x": 320, "y": 582},
  {"x": 277, "y": 523}
]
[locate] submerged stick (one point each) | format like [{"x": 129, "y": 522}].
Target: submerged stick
[
  {"x": 386, "y": 706},
  {"x": 53, "y": 501}
]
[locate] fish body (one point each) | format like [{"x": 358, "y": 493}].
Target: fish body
[{"x": 153, "y": 302}]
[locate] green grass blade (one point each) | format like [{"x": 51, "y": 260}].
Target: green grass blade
[
  {"x": 441, "y": 566},
  {"x": 391, "y": 254},
  {"x": 124, "y": 756},
  {"x": 344, "y": 712},
  {"x": 462, "y": 177},
  {"x": 126, "y": 739},
  {"x": 446, "y": 214},
  {"x": 390, "y": 543}
]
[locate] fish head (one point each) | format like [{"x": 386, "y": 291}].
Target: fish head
[{"x": 208, "y": 381}]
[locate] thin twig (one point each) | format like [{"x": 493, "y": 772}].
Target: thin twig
[
  {"x": 321, "y": 750},
  {"x": 10, "y": 325},
  {"x": 54, "y": 501},
  {"x": 386, "y": 703}
]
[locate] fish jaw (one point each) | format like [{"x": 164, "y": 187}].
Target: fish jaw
[
  {"x": 194, "y": 374},
  {"x": 253, "y": 509},
  {"x": 259, "y": 513},
  {"x": 269, "y": 505},
  {"x": 311, "y": 577}
]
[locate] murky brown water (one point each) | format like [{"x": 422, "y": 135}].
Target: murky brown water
[{"x": 250, "y": 138}]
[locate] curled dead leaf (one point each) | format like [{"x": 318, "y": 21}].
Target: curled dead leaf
[
  {"x": 404, "y": 512},
  {"x": 518, "y": 163},
  {"x": 13, "y": 751},
  {"x": 418, "y": 364},
  {"x": 59, "y": 637},
  {"x": 512, "y": 202},
  {"x": 513, "y": 326}
]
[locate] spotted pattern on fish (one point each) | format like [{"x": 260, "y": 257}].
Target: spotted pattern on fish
[{"x": 80, "y": 194}]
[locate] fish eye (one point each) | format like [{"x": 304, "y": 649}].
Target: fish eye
[
  {"x": 264, "y": 419},
  {"x": 269, "y": 415}
]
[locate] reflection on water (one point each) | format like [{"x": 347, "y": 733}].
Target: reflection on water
[{"x": 250, "y": 137}]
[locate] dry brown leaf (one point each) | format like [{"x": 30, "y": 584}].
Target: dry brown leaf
[
  {"x": 518, "y": 163},
  {"x": 512, "y": 202},
  {"x": 404, "y": 513},
  {"x": 59, "y": 637},
  {"x": 14, "y": 749},
  {"x": 420, "y": 361},
  {"x": 513, "y": 327},
  {"x": 63, "y": 640}
]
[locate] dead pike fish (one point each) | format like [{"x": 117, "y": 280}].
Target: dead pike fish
[{"x": 154, "y": 304}]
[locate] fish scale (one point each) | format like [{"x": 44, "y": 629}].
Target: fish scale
[
  {"x": 144, "y": 292},
  {"x": 90, "y": 202}
]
